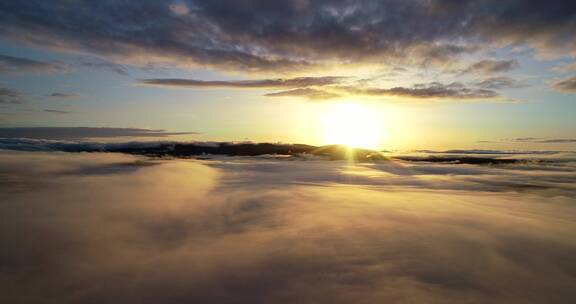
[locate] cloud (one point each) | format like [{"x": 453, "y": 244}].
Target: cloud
[
  {"x": 82, "y": 132},
  {"x": 544, "y": 140},
  {"x": 566, "y": 68},
  {"x": 262, "y": 83},
  {"x": 567, "y": 85},
  {"x": 421, "y": 91},
  {"x": 488, "y": 67},
  {"x": 535, "y": 140},
  {"x": 497, "y": 83},
  {"x": 116, "y": 68},
  {"x": 64, "y": 95},
  {"x": 179, "y": 9},
  {"x": 453, "y": 90},
  {"x": 319, "y": 88},
  {"x": 56, "y": 111},
  {"x": 308, "y": 93},
  {"x": 10, "y": 96},
  {"x": 11, "y": 64},
  {"x": 319, "y": 232},
  {"x": 256, "y": 36},
  {"x": 74, "y": 143}
]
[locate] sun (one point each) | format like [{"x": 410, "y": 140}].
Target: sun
[{"x": 353, "y": 125}]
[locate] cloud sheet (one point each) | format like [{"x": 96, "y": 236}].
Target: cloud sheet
[
  {"x": 121, "y": 229},
  {"x": 260, "y": 36}
]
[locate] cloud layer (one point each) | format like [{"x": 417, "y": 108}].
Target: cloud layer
[
  {"x": 290, "y": 34},
  {"x": 119, "y": 229},
  {"x": 328, "y": 87}
]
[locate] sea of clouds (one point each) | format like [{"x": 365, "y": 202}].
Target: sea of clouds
[{"x": 114, "y": 228}]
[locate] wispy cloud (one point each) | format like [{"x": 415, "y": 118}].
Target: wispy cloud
[
  {"x": 104, "y": 65},
  {"x": 422, "y": 91},
  {"x": 566, "y": 68},
  {"x": 64, "y": 95},
  {"x": 544, "y": 140},
  {"x": 12, "y": 64},
  {"x": 489, "y": 67},
  {"x": 252, "y": 84},
  {"x": 82, "y": 132},
  {"x": 56, "y": 111},
  {"x": 566, "y": 85},
  {"x": 498, "y": 83},
  {"x": 308, "y": 93},
  {"x": 328, "y": 87},
  {"x": 455, "y": 90},
  {"x": 534, "y": 140},
  {"x": 10, "y": 96}
]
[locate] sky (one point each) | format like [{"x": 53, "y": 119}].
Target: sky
[
  {"x": 104, "y": 200},
  {"x": 421, "y": 74}
]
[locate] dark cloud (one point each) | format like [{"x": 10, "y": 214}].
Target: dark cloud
[
  {"x": 40, "y": 141},
  {"x": 13, "y": 64},
  {"x": 111, "y": 228},
  {"x": 10, "y": 96},
  {"x": 488, "y": 67},
  {"x": 497, "y": 83},
  {"x": 56, "y": 111},
  {"x": 116, "y": 68},
  {"x": 255, "y": 35},
  {"x": 261, "y": 83},
  {"x": 566, "y": 85},
  {"x": 81, "y": 132},
  {"x": 64, "y": 95}
]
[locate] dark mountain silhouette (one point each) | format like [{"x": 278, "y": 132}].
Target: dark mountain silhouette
[
  {"x": 331, "y": 152},
  {"x": 202, "y": 150}
]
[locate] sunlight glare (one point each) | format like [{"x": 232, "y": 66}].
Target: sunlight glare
[{"x": 353, "y": 125}]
